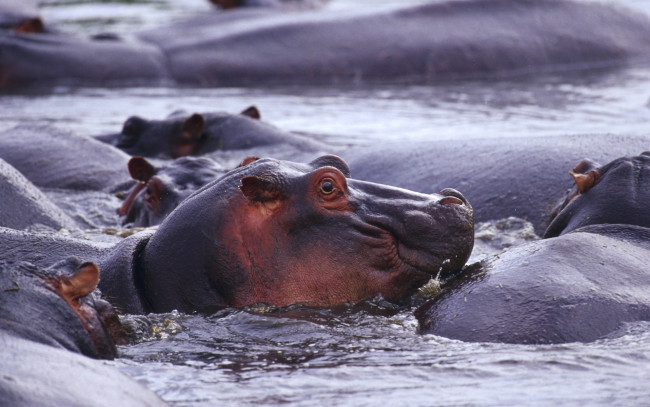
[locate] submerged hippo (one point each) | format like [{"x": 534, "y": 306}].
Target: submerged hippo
[
  {"x": 281, "y": 233},
  {"x": 421, "y": 43},
  {"x": 53, "y": 158},
  {"x": 182, "y": 134},
  {"x": 48, "y": 319},
  {"x": 58, "y": 306},
  {"x": 55, "y": 58},
  {"x": 587, "y": 278},
  {"x": 22, "y": 205},
  {"x": 160, "y": 190}
]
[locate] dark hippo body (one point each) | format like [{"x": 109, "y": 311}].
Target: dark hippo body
[
  {"x": 52, "y": 158},
  {"x": 281, "y": 233},
  {"x": 415, "y": 43},
  {"x": 421, "y": 43},
  {"x": 39, "y": 375},
  {"x": 160, "y": 190},
  {"x": 587, "y": 278},
  {"x": 520, "y": 177},
  {"x": 22, "y": 205},
  {"x": 57, "y": 59},
  {"x": 45, "y": 249},
  {"x": 49, "y": 318},
  {"x": 183, "y": 134}
]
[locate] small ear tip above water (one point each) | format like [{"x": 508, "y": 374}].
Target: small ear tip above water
[{"x": 252, "y": 112}]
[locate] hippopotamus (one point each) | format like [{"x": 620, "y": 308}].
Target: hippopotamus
[
  {"x": 58, "y": 306},
  {"x": 182, "y": 134},
  {"x": 54, "y": 158},
  {"x": 423, "y": 43},
  {"x": 57, "y": 58},
  {"x": 24, "y": 206},
  {"x": 418, "y": 43},
  {"x": 160, "y": 190},
  {"x": 282, "y": 233},
  {"x": 50, "y": 318},
  {"x": 519, "y": 176},
  {"x": 587, "y": 278}
]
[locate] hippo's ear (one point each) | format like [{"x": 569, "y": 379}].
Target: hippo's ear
[
  {"x": 584, "y": 182},
  {"x": 227, "y": 4},
  {"x": 248, "y": 160},
  {"x": 140, "y": 169},
  {"x": 188, "y": 142},
  {"x": 82, "y": 283},
  {"x": 154, "y": 193},
  {"x": 194, "y": 125},
  {"x": 33, "y": 26},
  {"x": 258, "y": 189},
  {"x": 252, "y": 112}
]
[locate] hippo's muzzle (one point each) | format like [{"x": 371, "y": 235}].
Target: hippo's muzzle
[{"x": 431, "y": 233}]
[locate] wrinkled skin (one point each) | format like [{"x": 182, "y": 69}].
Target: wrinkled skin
[
  {"x": 160, "y": 190},
  {"x": 59, "y": 308},
  {"x": 262, "y": 45},
  {"x": 183, "y": 134},
  {"x": 283, "y": 233},
  {"x": 588, "y": 277}
]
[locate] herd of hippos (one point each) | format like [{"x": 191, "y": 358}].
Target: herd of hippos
[{"x": 308, "y": 227}]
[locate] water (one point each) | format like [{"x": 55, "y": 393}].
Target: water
[{"x": 371, "y": 353}]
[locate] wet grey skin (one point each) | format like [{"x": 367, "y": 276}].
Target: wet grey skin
[{"x": 586, "y": 279}]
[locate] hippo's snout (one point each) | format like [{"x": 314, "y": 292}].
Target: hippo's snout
[{"x": 433, "y": 233}]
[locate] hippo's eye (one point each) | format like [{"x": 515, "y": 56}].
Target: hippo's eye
[{"x": 327, "y": 186}]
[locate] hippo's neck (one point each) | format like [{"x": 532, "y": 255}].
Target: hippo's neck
[{"x": 122, "y": 275}]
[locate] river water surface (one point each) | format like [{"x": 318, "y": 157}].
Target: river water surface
[{"x": 371, "y": 353}]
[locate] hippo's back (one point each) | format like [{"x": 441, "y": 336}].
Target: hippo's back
[{"x": 577, "y": 287}]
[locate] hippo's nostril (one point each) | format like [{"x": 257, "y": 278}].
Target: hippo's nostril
[
  {"x": 451, "y": 200},
  {"x": 451, "y": 196}
]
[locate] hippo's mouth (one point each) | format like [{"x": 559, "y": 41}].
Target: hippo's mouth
[{"x": 421, "y": 242}]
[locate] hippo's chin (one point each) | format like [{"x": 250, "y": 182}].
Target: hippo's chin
[{"x": 429, "y": 264}]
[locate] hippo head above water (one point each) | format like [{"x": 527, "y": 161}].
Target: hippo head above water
[
  {"x": 283, "y": 233},
  {"x": 616, "y": 193},
  {"x": 59, "y": 306},
  {"x": 160, "y": 190},
  {"x": 183, "y": 134}
]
